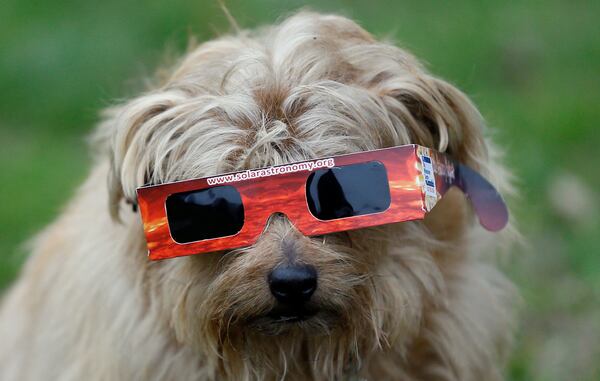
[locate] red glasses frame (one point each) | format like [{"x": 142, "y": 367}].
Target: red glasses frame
[{"x": 418, "y": 177}]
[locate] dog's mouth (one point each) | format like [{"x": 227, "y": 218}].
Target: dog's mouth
[
  {"x": 294, "y": 315},
  {"x": 280, "y": 320}
]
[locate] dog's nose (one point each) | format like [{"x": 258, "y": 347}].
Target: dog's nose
[{"x": 293, "y": 284}]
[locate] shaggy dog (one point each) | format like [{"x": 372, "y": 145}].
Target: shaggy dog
[{"x": 409, "y": 301}]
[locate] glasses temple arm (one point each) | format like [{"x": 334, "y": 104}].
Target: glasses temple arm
[{"x": 486, "y": 201}]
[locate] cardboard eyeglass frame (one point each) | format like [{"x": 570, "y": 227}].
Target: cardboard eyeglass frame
[{"x": 418, "y": 177}]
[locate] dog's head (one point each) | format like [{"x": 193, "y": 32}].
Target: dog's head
[{"x": 311, "y": 87}]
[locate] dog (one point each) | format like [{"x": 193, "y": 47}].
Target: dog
[{"x": 418, "y": 300}]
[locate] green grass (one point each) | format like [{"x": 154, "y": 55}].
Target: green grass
[{"x": 532, "y": 67}]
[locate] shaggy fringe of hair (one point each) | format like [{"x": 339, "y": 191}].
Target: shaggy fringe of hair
[{"x": 255, "y": 100}]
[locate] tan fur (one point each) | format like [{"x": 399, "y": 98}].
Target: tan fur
[{"x": 411, "y": 301}]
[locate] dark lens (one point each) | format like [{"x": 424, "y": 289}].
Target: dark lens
[
  {"x": 208, "y": 213},
  {"x": 347, "y": 191}
]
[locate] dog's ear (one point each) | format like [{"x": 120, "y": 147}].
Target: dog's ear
[
  {"x": 126, "y": 133},
  {"x": 440, "y": 116}
]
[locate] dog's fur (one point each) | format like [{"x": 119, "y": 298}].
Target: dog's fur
[{"x": 411, "y": 301}]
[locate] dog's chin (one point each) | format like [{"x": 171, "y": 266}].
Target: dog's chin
[{"x": 283, "y": 321}]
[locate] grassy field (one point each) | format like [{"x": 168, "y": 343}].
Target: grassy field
[{"x": 532, "y": 67}]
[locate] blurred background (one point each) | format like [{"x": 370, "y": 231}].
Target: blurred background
[{"x": 532, "y": 67}]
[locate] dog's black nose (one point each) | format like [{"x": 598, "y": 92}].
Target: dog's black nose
[{"x": 293, "y": 284}]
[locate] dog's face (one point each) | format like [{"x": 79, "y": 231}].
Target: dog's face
[{"x": 312, "y": 87}]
